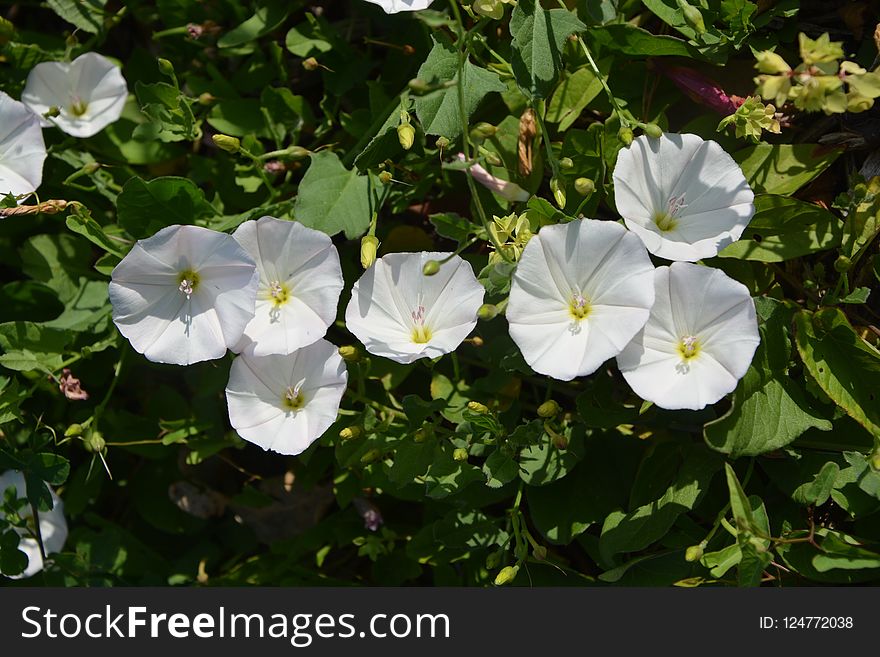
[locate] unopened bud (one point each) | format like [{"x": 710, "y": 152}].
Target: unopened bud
[
  {"x": 94, "y": 442},
  {"x": 371, "y": 456},
  {"x": 842, "y": 264},
  {"x": 385, "y": 177},
  {"x": 477, "y": 407},
  {"x": 166, "y": 67},
  {"x": 406, "y": 135},
  {"x": 692, "y": 16},
  {"x": 73, "y": 430},
  {"x": 566, "y": 163},
  {"x": 52, "y": 112},
  {"x": 418, "y": 85},
  {"x": 90, "y": 168},
  {"x": 369, "y": 246},
  {"x": 558, "y": 189},
  {"x": 487, "y": 311},
  {"x": 653, "y": 130},
  {"x": 207, "y": 98},
  {"x": 483, "y": 130},
  {"x": 227, "y": 143},
  {"x": 460, "y": 454},
  {"x": 549, "y": 409},
  {"x": 693, "y": 553},
  {"x": 441, "y": 143},
  {"x": 350, "y": 353},
  {"x": 540, "y": 552},
  {"x": 71, "y": 41},
  {"x": 506, "y": 575},
  {"x": 625, "y": 135},
  {"x": 350, "y": 433},
  {"x": 584, "y": 186},
  {"x": 296, "y": 153},
  {"x": 491, "y": 157},
  {"x": 431, "y": 267},
  {"x": 310, "y": 64}
]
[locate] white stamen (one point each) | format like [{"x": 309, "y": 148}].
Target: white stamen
[
  {"x": 186, "y": 286},
  {"x": 675, "y": 205}
]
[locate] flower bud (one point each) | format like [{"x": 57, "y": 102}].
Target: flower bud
[
  {"x": 310, "y": 64},
  {"x": 549, "y": 409},
  {"x": 385, "y": 177},
  {"x": 73, "y": 430},
  {"x": 52, "y": 112},
  {"x": 487, "y": 311},
  {"x": 406, "y": 135},
  {"x": 369, "y": 246},
  {"x": 558, "y": 189},
  {"x": 350, "y": 353},
  {"x": 350, "y": 433},
  {"x": 477, "y": 407},
  {"x": 431, "y": 267},
  {"x": 540, "y": 552},
  {"x": 441, "y": 143},
  {"x": 842, "y": 264},
  {"x": 166, "y": 67},
  {"x": 491, "y": 157},
  {"x": 483, "y": 130},
  {"x": 584, "y": 186},
  {"x": 692, "y": 16},
  {"x": 693, "y": 553},
  {"x": 653, "y": 130},
  {"x": 371, "y": 456},
  {"x": 207, "y": 98},
  {"x": 296, "y": 153},
  {"x": 419, "y": 86},
  {"x": 94, "y": 442},
  {"x": 566, "y": 163},
  {"x": 625, "y": 135},
  {"x": 460, "y": 454},
  {"x": 227, "y": 143},
  {"x": 506, "y": 575}
]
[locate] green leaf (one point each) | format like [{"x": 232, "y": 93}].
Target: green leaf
[
  {"x": 87, "y": 15},
  {"x": 11, "y": 397},
  {"x": 630, "y": 40},
  {"x": 439, "y": 110},
  {"x": 334, "y": 199},
  {"x": 636, "y": 530},
  {"x": 846, "y": 367},
  {"x": 539, "y": 36},
  {"x": 452, "y": 226},
  {"x": 145, "y": 207},
  {"x": 752, "y": 526},
  {"x": 840, "y": 551},
  {"x": 29, "y": 346},
  {"x": 785, "y": 228},
  {"x": 418, "y": 410},
  {"x": 12, "y": 560},
  {"x": 784, "y": 168},
  {"x": 500, "y": 468},
  {"x": 83, "y": 224},
  {"x": 574, "y": 93},
  {"x": 269, "y": 16},
  {"x": 542, "y": 463},
  {"x": 59, "y": 261},
  {"x": 859, "y": 295},
  {"x": 28, "y": 300},
  {"x": 817, "y": 492}
]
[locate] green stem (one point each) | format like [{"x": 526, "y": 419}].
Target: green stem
[{"x": 545, "y": 136}]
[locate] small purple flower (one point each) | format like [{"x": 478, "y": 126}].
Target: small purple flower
[
  {"x": 700, "y": 89},
  {"x": 370, "y": 513}
]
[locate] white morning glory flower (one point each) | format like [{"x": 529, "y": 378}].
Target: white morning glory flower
[
  {"x": 88, "y": 92},
  {"x": 22, "y": 150},
  {"x": 300, "y": 283},
  {"x": 580, "y": 292},
  {"x": 53, "y": 526},
  {"x": 285, "y": 403},
  {"x": 394, "y": 6},
  {"x": 401, "y": 314},
  {"x": 698, "y": 342},
  {"x": 684, "y": 196},
  {"x": 184, "y": 295}
]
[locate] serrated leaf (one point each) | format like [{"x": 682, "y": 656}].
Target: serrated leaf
[{"x": 332, "y": 198}]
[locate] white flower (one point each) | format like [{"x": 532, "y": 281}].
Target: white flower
[
  {"x": 285, "y": 403},
  {"x": 22, "y": 150},
  {"x": 300, "y": 283},
  {"x": 184, "y": 295},
  {"x": 394, "y": 6},
  {"x": 685, "y": 197},
  {"x": 580, "y": 292},
  {"x": 53, "y": 526},
  {"x": 88, "y": 92},
  {"x": 698, "y": 342},
  {"x": 401, "y": 314}
]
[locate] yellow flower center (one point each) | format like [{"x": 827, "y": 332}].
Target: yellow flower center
[
  {"x": 689, "y": 347},
  {"x": 293, "y": 399},
  {"x": 78, "y": 107},
  {"x": 188, "y": 281},
  {"x": 279, "y": 293},
  {"x": 667, "y": 220},
  {"x": 421, "y": 334},
  {"x": 578, "y": 306}
]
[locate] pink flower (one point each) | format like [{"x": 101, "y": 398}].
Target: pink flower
[
  {"x": 504, "y": 188},
  {"x": 700, "y": 88}
]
